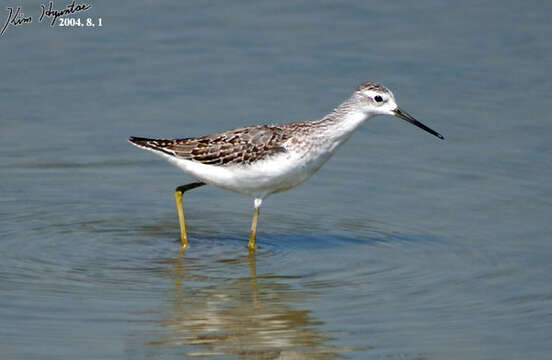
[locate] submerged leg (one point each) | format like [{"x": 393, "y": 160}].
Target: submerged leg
[
  {"x": 252, "y": 245},
  {"x": 181, "y": 221}
]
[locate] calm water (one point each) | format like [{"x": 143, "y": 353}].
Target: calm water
[{"x": 401, "y": 247}]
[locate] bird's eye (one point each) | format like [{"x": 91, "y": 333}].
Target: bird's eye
[{"x": 378, "y": 98}]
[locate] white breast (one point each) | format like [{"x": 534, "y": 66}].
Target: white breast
[{"x": 260, "y": 179}]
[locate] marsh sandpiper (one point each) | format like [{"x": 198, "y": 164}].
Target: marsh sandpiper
[{"x": 265, "y": 159}]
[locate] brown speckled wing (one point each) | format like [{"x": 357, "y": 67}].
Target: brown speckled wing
[{"x": 239, "y": 146}]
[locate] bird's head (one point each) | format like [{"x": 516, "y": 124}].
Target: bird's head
[{"x": 375, "y": 99}]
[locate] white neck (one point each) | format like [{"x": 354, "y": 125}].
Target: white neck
[{"x": 342, "y": 122}]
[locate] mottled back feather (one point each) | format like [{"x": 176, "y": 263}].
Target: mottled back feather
[{"x": 238, "y": 146}]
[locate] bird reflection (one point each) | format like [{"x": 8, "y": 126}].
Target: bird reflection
[{"x": 248, "y": 317}]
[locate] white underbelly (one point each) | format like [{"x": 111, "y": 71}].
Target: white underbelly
[{"x": 264, "y": 177}]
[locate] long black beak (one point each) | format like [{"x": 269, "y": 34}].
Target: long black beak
[{"x": 404, "y": 115}]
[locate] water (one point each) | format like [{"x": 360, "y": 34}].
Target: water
[{"x": 401, "y": 247}]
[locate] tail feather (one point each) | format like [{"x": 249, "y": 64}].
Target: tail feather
[
  {"x": 150, "y": 144},
  {"x": 138, "y": 140}
]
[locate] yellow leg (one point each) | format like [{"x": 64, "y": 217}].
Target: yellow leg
[
  {"x": 252, "y": 246},
  {"x": 181, "y": 220}
]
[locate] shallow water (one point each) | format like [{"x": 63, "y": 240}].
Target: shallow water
[{"x": 401, "y": 247}]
